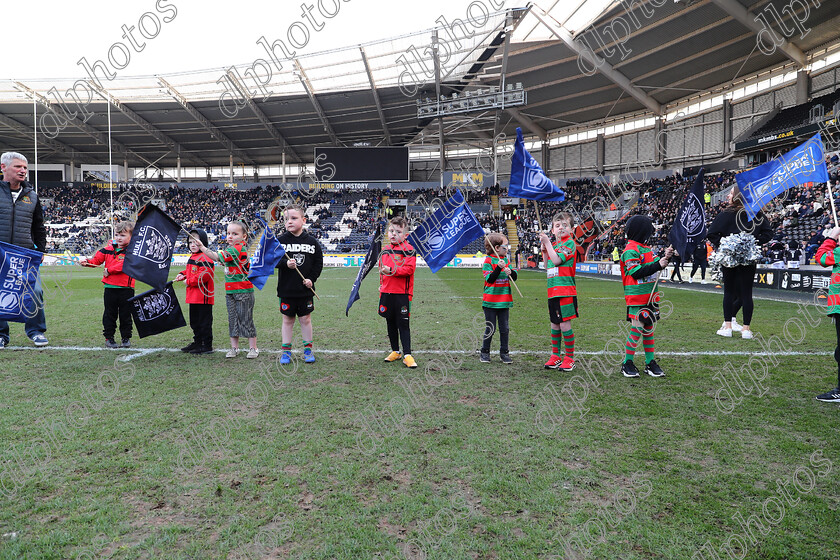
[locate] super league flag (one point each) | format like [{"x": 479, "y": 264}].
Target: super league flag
[
  {"x": 149, "y": 253},
  {"x": 156, "y": 312},
  {"x": 689, "y": 227},
  {"x": 267, "y": 255},
  {"x": 803, "y": 164},
  {"x": 371, "y": 259},
  {"x": 450, "y": 228},
  {"x": 18, "y": 275},
  {"x": 527, "y": 179}
]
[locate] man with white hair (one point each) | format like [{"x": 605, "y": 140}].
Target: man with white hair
[{"x": 22, "y": 224}]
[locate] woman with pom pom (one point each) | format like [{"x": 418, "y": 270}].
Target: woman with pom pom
[{"x": 733, "y": 234}]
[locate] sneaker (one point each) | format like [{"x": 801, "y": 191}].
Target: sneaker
[
  {"x": 831, "y": 396},
  {"x": 735, "y": 326},
  {"x": 252, "y": 353},
  {"x": 553, "y": 362},
  {"x": 232, "y": 353},
  {"x": 393, "y": 356},
  {"x": 286, "y": 357},
  {"x": 723, "y": 331},
  {"x": 40, "y": 340},
  {"x": 189, "y": 348},
  {"x": 746, "y": 333},
  {"x": 505, "y": 358},
  {"x": 109, "y": 343},
  {"x": 690, "y": 280},
  {"x": 653, "y": 369},
  {"x": 484, "y": 357},
  {"x": 2, "y": 343},
  {"x": 408, "y": 360},
  {"x": 125, "y": 343},
  {"x": 628, "y": 369},
  {"x": 202, "y": 349},
  {"x": 308, "y": 356},
  {"x": 568, "y": 364}
]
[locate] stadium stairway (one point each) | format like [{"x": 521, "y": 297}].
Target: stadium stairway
[
  {"x": 512, "y": 235},
  {"x": 494, "y": 202}
]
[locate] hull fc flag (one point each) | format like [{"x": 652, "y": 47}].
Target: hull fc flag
[
  {"x": 448, "y": 230},
  {"x": 266, "y": 257},
  {"x": 18, "y": 276},
  {"x": 149, "y": 253},
  {"x": 371, "y": 259},
  {"x": 527, "y": 179},
  {"x": 156, "y": 312},
  {"x": 689, "y": 227},
  {"x": 803, "y": 164}
]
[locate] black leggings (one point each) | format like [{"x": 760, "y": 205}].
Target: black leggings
[
  {"x": 836, "y": 319},
  {"x": 676, "y": 270},
  {"x": 738, "y": 285},
  {"x": 491, "y": 317},
  {"x": 702, "y": 266},
  {"x": 398, "y": 329}
]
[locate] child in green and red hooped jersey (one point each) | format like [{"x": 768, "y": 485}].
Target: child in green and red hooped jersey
[
  {"x": 639, "y": 269},
  {"x": 560, "y": 259},
  {"x": 239, "y": 291},
  {"x": 497, "y": 299},
  {"x": 829, "y": 255}
]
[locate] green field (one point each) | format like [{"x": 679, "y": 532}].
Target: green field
[{"x": 159, "y": 454}]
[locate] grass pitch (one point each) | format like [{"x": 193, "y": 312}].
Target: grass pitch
[{"x": 150, "y": 453}]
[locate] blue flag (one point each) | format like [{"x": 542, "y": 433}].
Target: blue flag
[
  {"x": 149, "y": 253},
  {"x": 266, "y": 257},
  {"x": 689, "y": 227},
  {"x": 527, "y": 179},
  {"x": 449, "y": 229},
  {"x": 156, "y": 312},
  {"x": 803, "y": 164},
  {"x": 371, "y": 258},
  {"x": 18, "y": 274}
]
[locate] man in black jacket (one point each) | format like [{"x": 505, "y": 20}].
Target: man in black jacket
[{"x": 22, "y": 224}]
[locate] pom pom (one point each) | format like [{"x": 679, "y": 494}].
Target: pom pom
[{"x": 738, "y": 249}]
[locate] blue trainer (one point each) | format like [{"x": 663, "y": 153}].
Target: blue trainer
[
  {"x": 286, "y": 357},
  {"x": 308, "y": 356}
]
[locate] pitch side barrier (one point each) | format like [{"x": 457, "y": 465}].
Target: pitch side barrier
[{"x": 792, "y": 279}]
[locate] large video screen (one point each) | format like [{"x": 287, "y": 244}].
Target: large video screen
[{"x": 361, "y": 165}]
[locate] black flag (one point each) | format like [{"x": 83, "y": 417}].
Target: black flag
[
  {"x": 149, "y": 253},
  {"x": 371, "y": 258},
  {"x": 689, "y": 227},
  {"x": 156, "y": 312}
]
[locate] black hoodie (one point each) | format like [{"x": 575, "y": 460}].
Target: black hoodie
[{"x": 639, "y": 229}]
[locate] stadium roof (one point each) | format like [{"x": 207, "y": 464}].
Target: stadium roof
[{"x": 655, "y": 52}]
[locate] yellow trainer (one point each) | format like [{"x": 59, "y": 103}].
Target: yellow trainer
[
  {"x": 393, "y": 356},
  {"x": 409, "y": 361}
]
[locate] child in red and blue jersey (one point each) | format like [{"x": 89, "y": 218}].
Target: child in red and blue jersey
[
  {"x": 638, "y": 275},
  {"x": 239, "y": 291},
  {"x": 200, "y": 296},
  {"x": 829, "y": 255},
  {"x": 560, "y": 259},
  {"x": 497, "y": 299},
  {"x": 119, "y": 286}
]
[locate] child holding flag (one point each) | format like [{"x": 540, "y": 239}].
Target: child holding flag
[
  {"x": 239, "y": 291},
  {"x": 639, "y": 269},
  {"x": 560, "y": 259},
  {"x": 119, "y": 286},
  {"x": 303, "y": 252},
  {"x": 396, "y": 286},
  {"x": 497, "y": 299},
  {"x": 829, "y": 255},
  {"x": 200, "y": 295}
]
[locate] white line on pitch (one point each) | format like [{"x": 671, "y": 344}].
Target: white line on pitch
[{"x": 140, "y": 352}]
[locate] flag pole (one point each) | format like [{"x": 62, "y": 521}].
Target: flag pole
[
  {"x": 500, "y": 258},
  {"x": 831, "y": 198},
  {"x": 539, "y": 220}
]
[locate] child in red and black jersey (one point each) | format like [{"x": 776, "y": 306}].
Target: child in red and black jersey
[
  {"x": 397, "y": 262},
  {"x": 239, "y": 291},
  {"x": 200, "y": 295},
  {"x": 497, "y": 299},
  {"x": 119, "y": 286}
]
